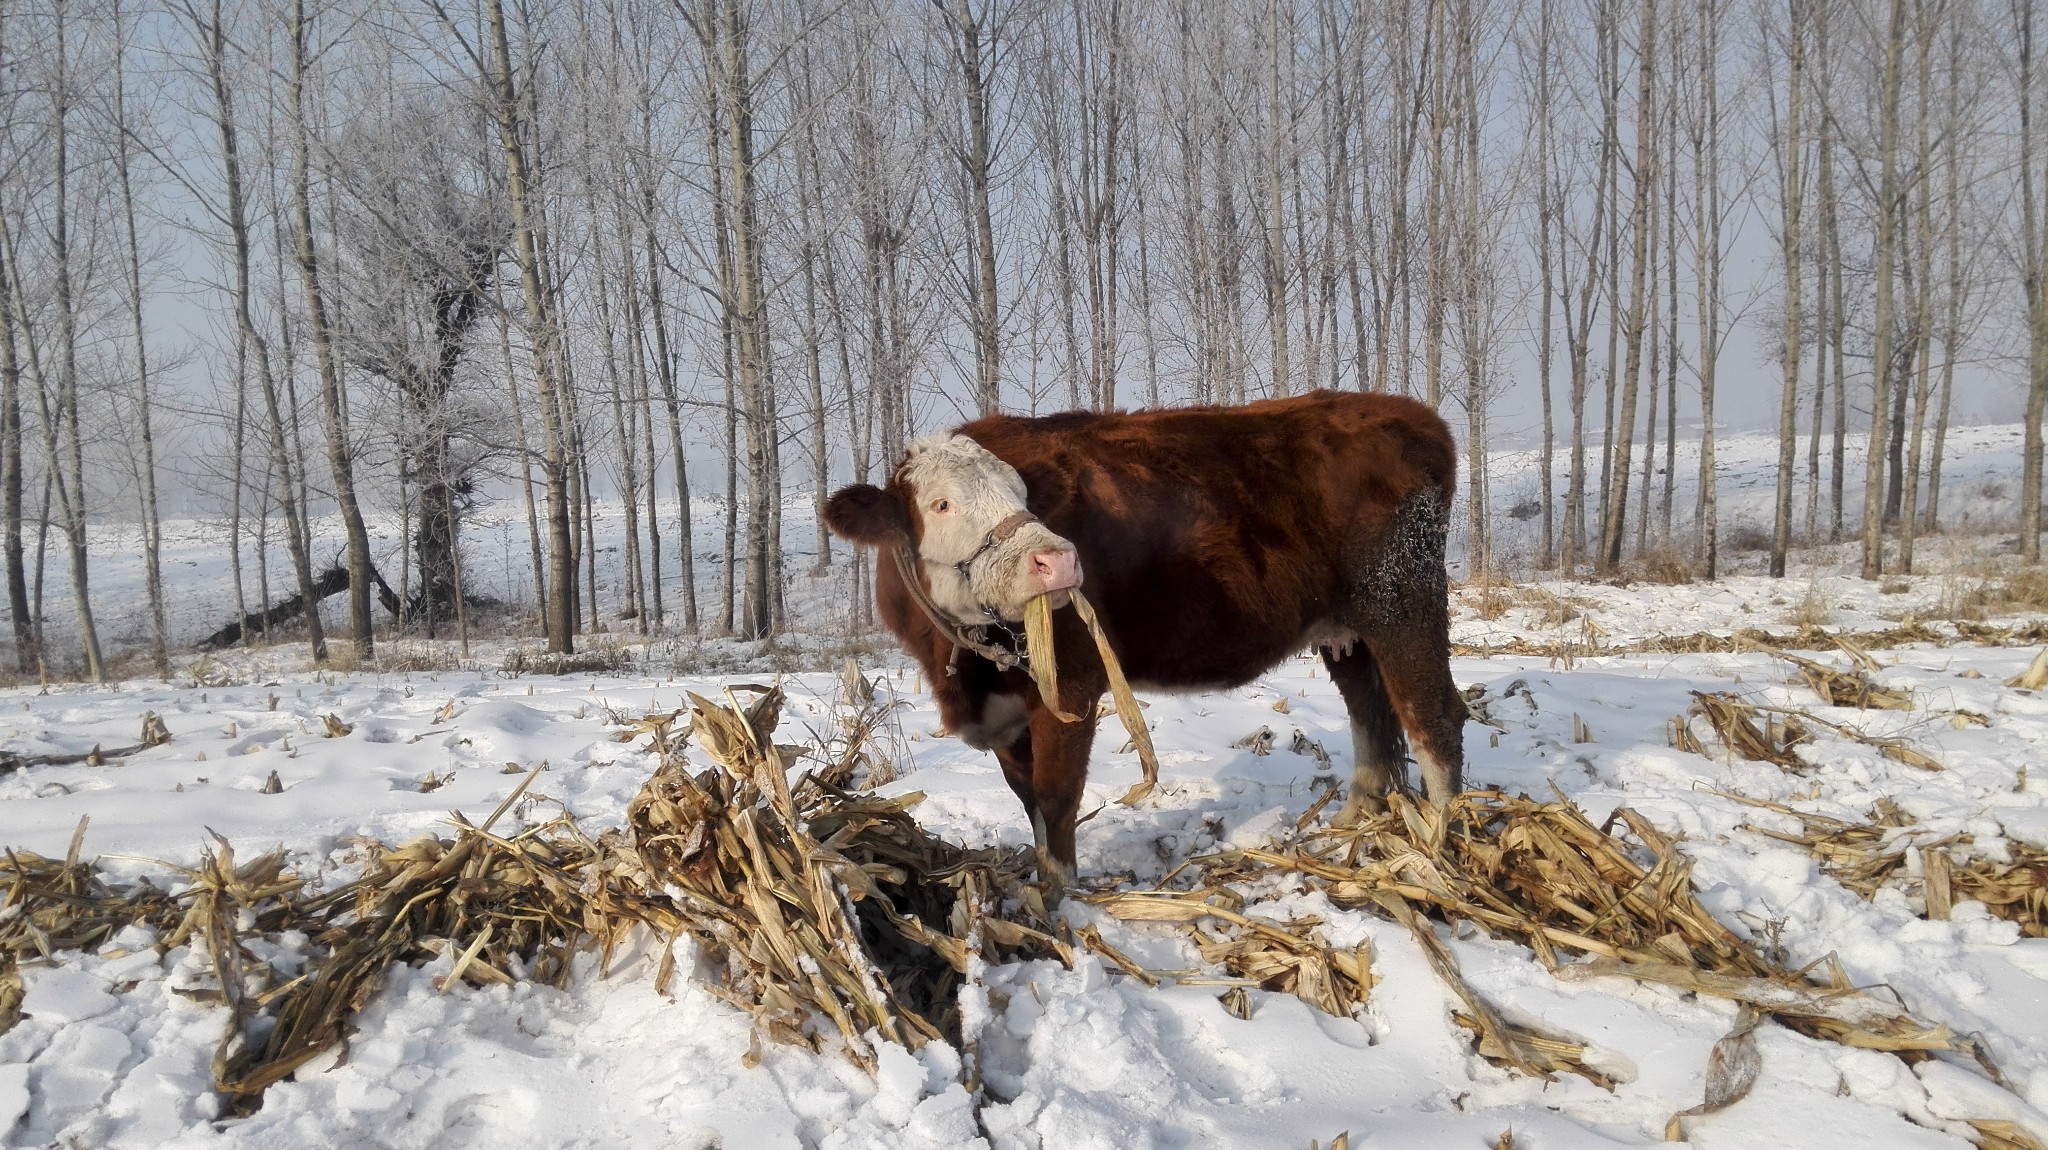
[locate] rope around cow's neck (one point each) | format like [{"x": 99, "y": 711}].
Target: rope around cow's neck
[{"x": 956, "y": 633}]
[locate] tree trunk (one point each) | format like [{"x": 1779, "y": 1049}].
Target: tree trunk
[
  {"x": 1611, "y": 533},
  {"x": 67, "y": 459},
  {"x": 2034, "y": 273},
  {"x": 339, "y": 450},
  {"x": 1837, "y": 304},
  {"x": 1707, "y": 185},
  {"x": 144, "y": 419},
  {"x": 1545, "y": 223},
  {"x": 1790, "y": 143},
  {"x": 560, "y": 602},
  {"x": 1922, "y": 265},
  {"x": 1884, "y": 263},
  {"x": 26, "y": 657}
]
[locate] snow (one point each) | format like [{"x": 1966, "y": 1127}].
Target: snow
[
  {"x": 115, "y": 1047},
  {"x": 111, "y": 1054}
]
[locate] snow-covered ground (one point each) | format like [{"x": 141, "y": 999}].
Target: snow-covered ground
[{"x": 112, "y": 1053}]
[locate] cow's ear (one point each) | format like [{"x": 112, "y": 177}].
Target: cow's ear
[{"x": 863, "y": 513}]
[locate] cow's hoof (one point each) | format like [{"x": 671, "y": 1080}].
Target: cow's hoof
[
  {"x": 1057, "y": 877},
  {"x": 1358, "y": 808}
]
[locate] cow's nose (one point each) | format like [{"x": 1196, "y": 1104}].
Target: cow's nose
[{"x": 1055, "y": 570}]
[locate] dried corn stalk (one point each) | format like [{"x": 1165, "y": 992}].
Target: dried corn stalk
[
  {"x": 1840, "y": 688},
  {"x": 1706, "y": 642},
  {"x": 1747, "y": 730},
  {"x": 2002, "y": 1134},
  {"x": 1865, "y": 857},
  {"x": 1541, "y": 874},
  {"x": 821, "y": 905},
  {"x": 1770, "y": 734},
  {"x": 1288, "y": 958},
  {"x": 1045, "y": 671},
  {"x": 1045, "y": 667},
  {"x": 832, "y": 913}
]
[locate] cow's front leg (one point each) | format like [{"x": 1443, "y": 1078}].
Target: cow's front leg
[{"x": 1059, "y": 771}]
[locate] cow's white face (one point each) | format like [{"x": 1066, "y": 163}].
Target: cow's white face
[
  {"x": 979, "y": 554},
  {"x": 967, "y": 498}
]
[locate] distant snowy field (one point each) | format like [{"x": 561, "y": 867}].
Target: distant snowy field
[
  {"x": 111, "y": 1054},
  {"x": 1980, "y": 488}
]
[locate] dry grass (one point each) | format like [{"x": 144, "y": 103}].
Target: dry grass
[
  {"x": 1983, "y": 588},
  {"x": 1814, "y": 609},
  {"x": 414, "y": 657},
  {"x": 1551, "y": 609},
  {"x": 598, "y": 657},
  {"x": 1665, "y": 563},
  {"x": 1487, "y": 595},
  {"x": 1745, "y": 538},
  {"x": 2008, "y": 591},
  {"x": 1963, "y": 598},
  {"x": 852, "y": 753},
  {"x": 1490, "y": 602}
]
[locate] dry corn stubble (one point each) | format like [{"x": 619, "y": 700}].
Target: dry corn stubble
[
  {"x": 1868, "y": 856},
  {"x": 1543, "y": 875},
  {"x": 832, "y": 915},
  {"x": 1592, "y": 640},
  {"x": 1846, "y": 688},
  {"x": 1767, "y": 734}
]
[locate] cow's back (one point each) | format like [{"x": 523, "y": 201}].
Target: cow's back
[{"x": 1216, "y": 540}]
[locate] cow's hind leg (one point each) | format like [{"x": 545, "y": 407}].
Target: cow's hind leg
[
  {"x": 1404, "y": 618},
  {"x": 1377, "y": 759},
  {"x": 1416, "y": 670}
]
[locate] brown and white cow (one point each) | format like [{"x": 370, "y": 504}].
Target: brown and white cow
[{"x": 1214, "y": 543}]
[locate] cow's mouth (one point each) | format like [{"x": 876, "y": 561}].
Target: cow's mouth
[{"x": 1060, "y": 598}]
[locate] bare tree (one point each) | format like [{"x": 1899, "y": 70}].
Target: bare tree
[
  {"x": 339, "y": 450},
  {"x": 1788, "y": 145},
  {"x": 508, "y": 109},
  {"x": 1885, "y": 271},
  {"x": 1613, "y": 521},
  {"x": 2033, "y": 260}
]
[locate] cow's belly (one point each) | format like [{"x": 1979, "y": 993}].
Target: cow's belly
[
  {"x": 1191, "y": 663},
  {"x": 1182, "y": 629}
]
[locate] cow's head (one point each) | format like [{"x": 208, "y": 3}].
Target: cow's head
[{"x": 961, "y": 511}]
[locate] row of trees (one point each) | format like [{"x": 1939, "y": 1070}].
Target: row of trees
[{"x": 388, "y": 255}]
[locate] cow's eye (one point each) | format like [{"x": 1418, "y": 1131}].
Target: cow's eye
[{"x": 942, "y": 506}]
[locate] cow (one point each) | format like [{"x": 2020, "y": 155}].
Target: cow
[{"x": 1214, "y": 542}]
